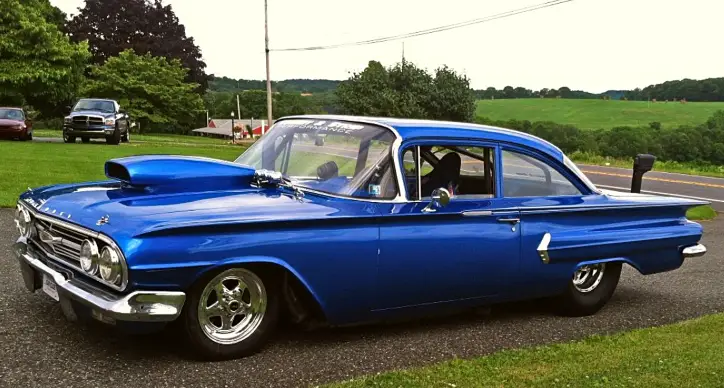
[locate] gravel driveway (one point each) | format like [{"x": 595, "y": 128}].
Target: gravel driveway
[{"x": 39, "y": 348}]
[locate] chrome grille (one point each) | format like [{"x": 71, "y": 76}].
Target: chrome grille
[
  {"x": 88, "y": 120},
  {"x": 67, "y": 248}
]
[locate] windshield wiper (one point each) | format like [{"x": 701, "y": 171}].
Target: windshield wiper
[{"x": 276, "y": 178}]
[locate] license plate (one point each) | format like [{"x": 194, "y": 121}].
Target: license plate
[{"x": 49, "y": 287}]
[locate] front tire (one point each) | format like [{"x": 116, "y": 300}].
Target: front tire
[
  {"x": 589, "y": 289},
  {"x": 85, "y": 139},
  {"x": 127, "y": 137},
  {"x": 67, "y": 138},
  {"x": 230, "y": 314},
  {"x": 115, "y": 138}
]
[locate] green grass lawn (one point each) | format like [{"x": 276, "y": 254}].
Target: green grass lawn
[
  {"x": 595, "y": 114},
  {"x": 687, "y": 354},
  {"x": 24, "y": 164},
  {"x": 154, "y": 137}
]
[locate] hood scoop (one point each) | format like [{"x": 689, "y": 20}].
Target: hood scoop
[{"x": 178, "y": 173}]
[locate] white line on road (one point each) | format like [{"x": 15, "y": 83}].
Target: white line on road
[
  {"x": 628, "y": 170},
  {"x": 628, "y": 190}
]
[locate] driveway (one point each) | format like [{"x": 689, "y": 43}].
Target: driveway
[{"x": 39, "y": 348}]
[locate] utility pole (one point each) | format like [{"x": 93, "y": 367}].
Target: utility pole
[
  {"x": 238, "y": 108},
  {"x": 268, "y": 80}
]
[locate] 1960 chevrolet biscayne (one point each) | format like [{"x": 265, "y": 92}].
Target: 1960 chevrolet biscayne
[{"x": 344, "y": 220}]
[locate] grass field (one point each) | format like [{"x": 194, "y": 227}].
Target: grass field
[
  {"x": 24, "y": 164},
  {"x": 598, "y": 114},
  {"x": 688, "y": 354},
  {"x": 154, "y": 138}
]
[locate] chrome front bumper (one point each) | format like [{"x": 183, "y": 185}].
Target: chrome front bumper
[
  {"x": 93, "y": 131},
  {"x": 694, "y": 251},
  {"x": 137, "y": 306}
]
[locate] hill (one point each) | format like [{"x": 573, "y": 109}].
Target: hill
[
  {"x": 225, "y": 84},
  {"x": 598, "y": 114}
]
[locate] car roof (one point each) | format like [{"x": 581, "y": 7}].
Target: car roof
[{"x": 416, "y": 128}]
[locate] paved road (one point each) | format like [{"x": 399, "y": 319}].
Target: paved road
[{"x": 38, "y": 348}]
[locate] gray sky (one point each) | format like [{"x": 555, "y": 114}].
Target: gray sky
[{"x": 592, "y": 45}]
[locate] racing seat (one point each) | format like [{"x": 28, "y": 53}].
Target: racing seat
[{"x": 446, "y": 174}]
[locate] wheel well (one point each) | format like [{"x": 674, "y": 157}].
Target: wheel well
[{"x": 298, "y": 303}]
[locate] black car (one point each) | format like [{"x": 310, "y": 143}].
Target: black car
[{"x": 97, "y": 118}]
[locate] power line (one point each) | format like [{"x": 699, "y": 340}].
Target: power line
[{"x": 502, "y": 15}]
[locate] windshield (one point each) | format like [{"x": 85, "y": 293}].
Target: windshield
[
  {"x": 336, "y": 157},
  {"x": 12, "y": 114},
  {"x": 99, "y": 105}
]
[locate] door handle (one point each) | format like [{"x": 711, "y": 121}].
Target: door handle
[{"x": 511, "y": 220}]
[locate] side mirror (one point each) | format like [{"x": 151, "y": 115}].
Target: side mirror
[
  {"x": 440, "y": 198},
  {"x": 643, "y": 163}
]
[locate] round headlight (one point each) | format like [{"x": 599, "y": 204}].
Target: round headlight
[
  {"x": 23, "y": 220},
  {"x": 89, "y": 257},
  {"x": 109, "y": 265}
]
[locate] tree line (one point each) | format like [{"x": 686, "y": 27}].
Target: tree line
[{"x": 710, "y": 89}]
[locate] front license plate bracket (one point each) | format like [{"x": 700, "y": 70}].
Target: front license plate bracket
[{"x": 50, "y": 288}]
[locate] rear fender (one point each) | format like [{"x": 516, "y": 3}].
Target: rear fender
[{"x": 649, "y": 248}]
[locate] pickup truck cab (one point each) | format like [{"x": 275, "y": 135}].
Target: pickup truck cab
[{"x": 97, "y": 118}]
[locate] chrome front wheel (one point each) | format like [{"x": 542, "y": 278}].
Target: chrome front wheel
[
  {"x": 588, "y": 277},
  {"x": 232, "y": 306},
  {"x": 232, "y": 313}
]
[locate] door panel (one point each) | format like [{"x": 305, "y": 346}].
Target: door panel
[{"x": 464, "y": 250}]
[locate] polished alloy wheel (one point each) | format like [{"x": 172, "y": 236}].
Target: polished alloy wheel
[
  {"x": 588, "y": 277},
  {"x": 232, "y": 306}
]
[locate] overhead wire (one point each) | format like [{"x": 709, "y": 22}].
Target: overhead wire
[{"x": 428, "y": 31}]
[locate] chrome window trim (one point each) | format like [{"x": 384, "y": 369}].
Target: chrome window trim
[
  {"x": 395, "y": 149},
  {"x": 89, "y": 233}
]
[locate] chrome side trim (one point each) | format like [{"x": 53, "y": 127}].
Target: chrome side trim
[
  {"x": 477, "y": 213},
  {"x": 543, "y": 248},
  {"x": 139, "y": 306},
  {"x": 697, "y": 250},
  {"x": 92, "y": 234}
]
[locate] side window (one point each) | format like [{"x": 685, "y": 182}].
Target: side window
[
  {"x": 525, "y": 176},
  {"x": 465, "y": 171}
]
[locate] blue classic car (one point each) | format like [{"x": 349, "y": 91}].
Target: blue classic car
[{"x": 340, "y": 220}]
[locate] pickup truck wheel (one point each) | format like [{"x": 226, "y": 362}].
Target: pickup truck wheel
[
  {"x": 67, "y": 138},
  {"x": 85, "y": 139},
  {"x": 230, "y": 315},
  {"x": 589, "y": 290},
  {"x": 127, "y": 137},
  {"x": 115, "y": 138}
]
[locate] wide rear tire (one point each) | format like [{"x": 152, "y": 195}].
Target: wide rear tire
[
  {"x": 589, "y": 290},
  {"x": 230, "y": 314}
]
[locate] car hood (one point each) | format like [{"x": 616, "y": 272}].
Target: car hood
[
  {"x": 91, "y": 112},
  {"x": 9, "y": 122},
  {"x": 150, "y": 200}
]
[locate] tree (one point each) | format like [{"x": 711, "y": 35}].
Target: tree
[
  {"x": 146, "y": 26},
  {"x": 405, "y": 90},
  {"x": 39, "y": 65},
  {"x": 152, "y": 90}
]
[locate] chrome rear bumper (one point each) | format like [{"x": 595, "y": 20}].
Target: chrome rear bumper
[
  {"x": 137, "y": 306},
  {"x": 694, "y": 251}
]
